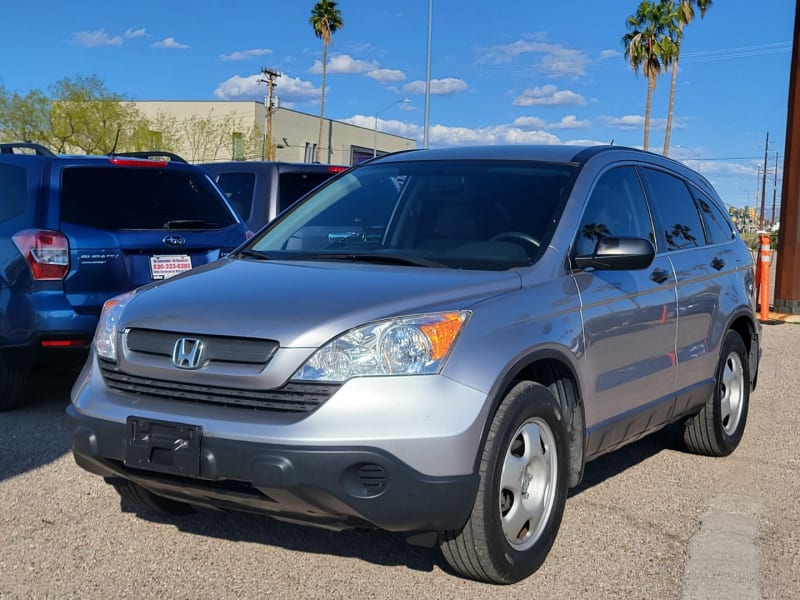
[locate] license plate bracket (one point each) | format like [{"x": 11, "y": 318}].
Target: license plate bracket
[{"x": 163, "y": 446}]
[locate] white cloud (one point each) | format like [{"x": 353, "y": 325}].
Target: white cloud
[
  {"x": 604, "y": 54},
  {"x": 385, "y": 75},
  {"x": 245, "y": 54},
  {"x": 529, "y": 122},
  {"x": 169, "y": 43},
  {"x": 291, "y": 90},
  {"x": 626, "y": 121},
  {"x": 439, "y": 87},
  {"x": 564, "y": 62},
  {"x": 548, "y": 95},
  {"x": 135, "y": 33},
  {"x": 567, "y": 122},
  {"x": 637, "y": 122},
  {"x": 570, "y": 122},
  {"x": 557, "y": 60},
  {"x": 344, "y": 63},
  {"x": 93, "y": 39}
]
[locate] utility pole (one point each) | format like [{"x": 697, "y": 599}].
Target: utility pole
[
  {"x": 774, "y": 192},
  {"x": 271, "y": 76},
  {"x": 787, "y": 281},
  {"x": 763, "y": 187}
]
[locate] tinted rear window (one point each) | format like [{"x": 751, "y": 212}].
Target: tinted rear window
[
  {"x": 140, "y": 198},
  {"x": 293, "y": 186}
]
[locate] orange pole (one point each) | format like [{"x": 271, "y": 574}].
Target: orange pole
[{"x": 763, "y": 274}]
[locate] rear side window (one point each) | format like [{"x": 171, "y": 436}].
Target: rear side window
[
  {"x": 13, "y": 191},
  {"x": 293, "y": 186},
  {"x": 239, "y": 188},
  {"x": 141, "y": 198},
  {"x": 678, "y": 222},
  {"x": 718, "y": 228}
]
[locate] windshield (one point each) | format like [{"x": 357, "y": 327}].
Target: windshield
[{"x": 490, "y": 214}]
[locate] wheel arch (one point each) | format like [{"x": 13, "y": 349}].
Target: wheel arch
[
  {"x": 555, "y": 371},
  {"x": 743, "y": 324}
]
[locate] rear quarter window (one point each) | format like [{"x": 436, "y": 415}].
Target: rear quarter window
[
  {"x": 718, "y": 228},
  {"x": 13, "y": 191},
  {"x": 141, "y": 198}
]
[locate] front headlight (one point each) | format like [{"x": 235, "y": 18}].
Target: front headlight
[
  {"x": 414, "y": 345},
  {"x": 105, "y": 336}
]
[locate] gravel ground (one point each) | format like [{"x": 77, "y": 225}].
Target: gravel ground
[{"x": 625, "y": 533}]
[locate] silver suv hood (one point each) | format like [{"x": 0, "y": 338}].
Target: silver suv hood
[{"x": 303, "y": 304}]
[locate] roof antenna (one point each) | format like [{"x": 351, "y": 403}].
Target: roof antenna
[
  {"x": 612, "y": 142},
  {"x": 116, "y": 141}
]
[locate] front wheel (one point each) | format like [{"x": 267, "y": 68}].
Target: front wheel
[
  {"x": 522, "y": 492},
  {"x": 717, "y": 429}
]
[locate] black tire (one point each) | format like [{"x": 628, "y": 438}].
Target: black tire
[
  {"x": 717, "y": 429},
  {"x": 12, "y": 386},
  {"x": 145, "y": 501},
  {"x": 483, "y": 549}
]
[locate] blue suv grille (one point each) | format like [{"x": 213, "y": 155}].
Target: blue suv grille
[{"x": 291, "y": 398}]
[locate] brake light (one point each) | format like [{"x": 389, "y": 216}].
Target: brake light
[
  {"x": 47, "y": 252},
  {"x": 65, "y": 343},
  {"x": 138, "y": 162},
  {"x": 336, "y": 169}
]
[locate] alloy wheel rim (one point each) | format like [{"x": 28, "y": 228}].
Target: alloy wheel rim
[
  {"x": 528, "y": 483},
  {"x": 732, "y": 393}
]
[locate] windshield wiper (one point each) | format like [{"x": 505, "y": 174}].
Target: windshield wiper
[
  {"x": 385, "y": 259},
  {"x": 189, "y": 224},
  {"x": 257, "y": 254}
]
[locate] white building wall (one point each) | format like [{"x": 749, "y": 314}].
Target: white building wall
[{"x": 294, "y": 134}]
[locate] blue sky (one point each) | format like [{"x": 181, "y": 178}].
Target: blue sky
[{"x": 501, "y": 72}]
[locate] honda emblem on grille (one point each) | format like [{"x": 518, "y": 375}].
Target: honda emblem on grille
[
  {"x": 187, "y": 353},
  {"x": 173, "y": 240}
]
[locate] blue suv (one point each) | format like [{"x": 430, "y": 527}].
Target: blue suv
[{"x": 77, "y": 230}]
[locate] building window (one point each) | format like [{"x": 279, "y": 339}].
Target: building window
[{"x": 238, "y": 145}]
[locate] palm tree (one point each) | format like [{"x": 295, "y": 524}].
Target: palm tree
[
  {"x": 326, "y": 20},
  {"x": 685, "y": 14},
  {"x": 650, "y": 44}
]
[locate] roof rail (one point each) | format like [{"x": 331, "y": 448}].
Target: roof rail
[
  {"x": 153, "y": 155},
  {"x": 25, "y": 148}
]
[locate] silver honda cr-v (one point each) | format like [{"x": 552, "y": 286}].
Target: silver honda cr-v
[{"x": 435, "y": 343}]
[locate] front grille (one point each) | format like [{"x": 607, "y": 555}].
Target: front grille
[
  {"x": 291, "y": 398},
  {"x": 217, "y": 348}
]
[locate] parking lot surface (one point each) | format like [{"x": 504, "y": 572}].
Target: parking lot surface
[{"x": 648, "y": 521}]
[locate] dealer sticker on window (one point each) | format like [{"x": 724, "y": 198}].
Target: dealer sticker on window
[{"x": 164, "y": 266}]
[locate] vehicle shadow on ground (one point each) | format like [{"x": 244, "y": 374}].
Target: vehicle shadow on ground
[
  {"x": 614, "y": 463},
  {"x": 33, "y": 434},
  {"x": 380, "y": 547}
]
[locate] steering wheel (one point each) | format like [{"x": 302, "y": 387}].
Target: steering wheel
[{"x": 530, "y": 243}]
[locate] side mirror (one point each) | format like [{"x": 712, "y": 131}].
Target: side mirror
[{"x": 618, "y": 254}]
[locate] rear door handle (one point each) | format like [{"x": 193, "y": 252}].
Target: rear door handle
[
  {"x": 718, "y": 263},
  {"x": 659, "y": 275}
]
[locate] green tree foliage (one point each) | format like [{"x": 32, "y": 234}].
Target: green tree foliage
[
  {"x": 326, "y": 19},
  {"x": 650, "y": 46},
  {"x": 684, "y": 14}
]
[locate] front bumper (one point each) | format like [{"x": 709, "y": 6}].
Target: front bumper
[{"x": 332, "y": 486}]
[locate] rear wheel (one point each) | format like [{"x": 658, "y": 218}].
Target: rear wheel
[
  {"x": 12, "y": 386},
  {"x": 142, "y": 500},
  {"x": 717, "y": 429},
  {"x": 522, "y": 492}
]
